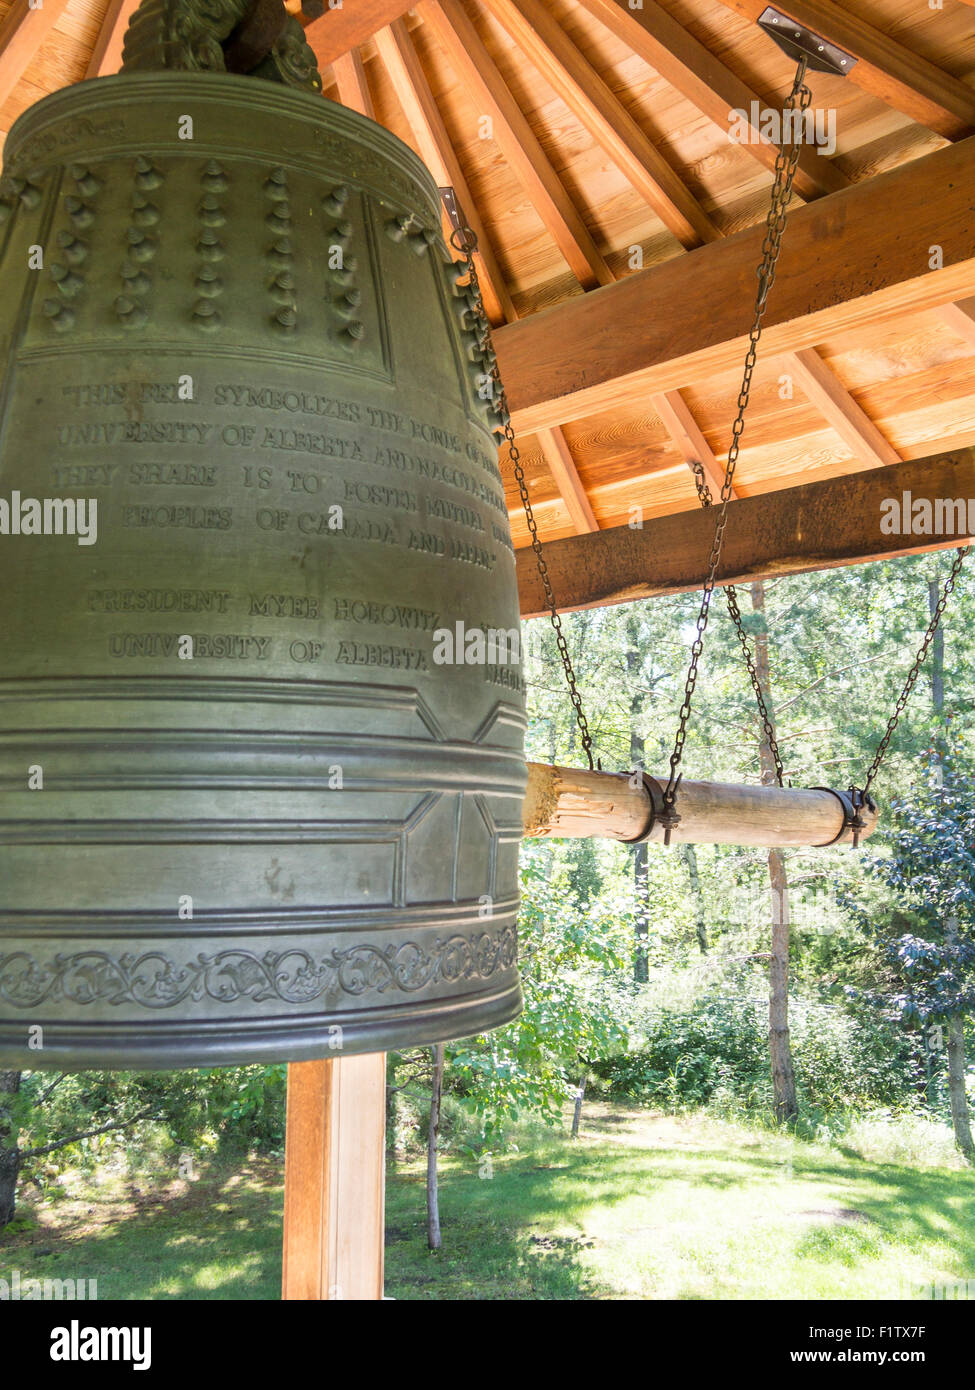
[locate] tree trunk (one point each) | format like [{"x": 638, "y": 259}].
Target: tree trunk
[
  {"x": 577, "y": 1112},
  {"x": 960, "y": 1118},
  {"x": 780, "y": 1047},
  {"x": 697, "y": 897},
  {"x": 641, "y": 854},
  {"x": 391, "y": 1108},
  {"x": 433, "y": 1134},
  {"x": 9, "y": 1152},
  {"x": 937, "y": 673}
]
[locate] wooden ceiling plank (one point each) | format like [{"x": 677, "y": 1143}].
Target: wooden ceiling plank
[
  {"x": 350, "y": 78},
  {"x": 960, "y": 317},
  {"x": 562, "y": 466},
  {"x": 847, "y": 260},
  {"x": 476, "y": 68},
  {"x": 550, "y": 50},
  {"x": 701, "y": 77},
  {"x": 409, "y": 81},
  {"x": 349, "y": 25},
  {"x": 688, "y": 438},
  {"x": 106, "y": 58},
  {"x": 835, "y": 404},
  {"x": 885, "y": 68},
  {"x": 22, "y": 33},
  {"x": 813, "y": 527}
]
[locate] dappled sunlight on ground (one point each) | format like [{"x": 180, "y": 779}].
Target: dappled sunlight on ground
[{"x": 643, "y": 1205}]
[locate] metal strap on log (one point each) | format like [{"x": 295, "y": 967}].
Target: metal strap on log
[{"x": 567, "y": 802}]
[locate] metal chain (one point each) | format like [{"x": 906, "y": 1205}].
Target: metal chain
[
  {"x": 785, "y": 170},
  {"x": 913, "y": 674},
  {"x": 465, "y": 241},
  {"x": 704, "y": 493}
]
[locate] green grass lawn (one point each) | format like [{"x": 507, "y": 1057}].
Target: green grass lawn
[{"x": 641, "y": 1207}]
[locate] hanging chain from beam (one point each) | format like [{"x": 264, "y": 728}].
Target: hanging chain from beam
[
  {"x": 704, "y": 493},
  {"x": 464, "y": 240},
  {"x": 786, "y": 164},
  {"x": 913, "y": 673}
]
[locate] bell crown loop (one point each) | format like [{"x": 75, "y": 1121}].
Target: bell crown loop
[{"x": 256, "y": 38}]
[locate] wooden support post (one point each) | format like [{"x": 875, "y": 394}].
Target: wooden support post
[
  {"x": 334, "y": 1179},
  {"x": 566, "y": 802}
]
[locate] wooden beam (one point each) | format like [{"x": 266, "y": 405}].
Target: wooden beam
[
  {"x": 474, "y": 65},
  {"x": 562, "y": 466},
  {"x": 436, "y": 150},
  {"x": 340, "y": 30},
  {"x": 548, "y": 47},
  {"x": 22, "y": 33},
  {"x": 687, "y": 436},
  {"x": 568, "y": 803},
  {"x": 334, "y": 1179},
  {"x": 835, "y": 404},
  {"x": 350, "y": 78},
  {"x": 847, "y": 260},
  {"x": 816, "y": 526},
  {"x": 960, "y": 317},
  {"x": 701, "y": 77},
  {"x": 886, "y": 68},
  {"x": 106, "y": 57}
]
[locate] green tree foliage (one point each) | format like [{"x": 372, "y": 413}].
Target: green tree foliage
[{"x": 574, "y": 965}]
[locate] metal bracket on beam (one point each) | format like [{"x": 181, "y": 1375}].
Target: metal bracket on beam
[
  {"x": 854, "y": 803},
  {"x": 661, "y": 813},
  {"x": 798, "y": 41},
  {"x": 452, "y": 208}
]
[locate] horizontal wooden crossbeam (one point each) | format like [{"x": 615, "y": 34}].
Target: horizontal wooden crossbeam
[
  {"x": 569, "y": 803},
  {"x": 851, "y": 258},
  {"x": 839, "y": 521}
]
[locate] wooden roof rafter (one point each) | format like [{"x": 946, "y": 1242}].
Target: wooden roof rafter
[
  {"x": 565, "y": 474},
  {"x": 474, "y": 65},
  {"x": 960, "y": 317},
  {"x": 689, "y": 439},
  {"x": 22, "y": 33},
  {"x": 695, "y": 72},
  {"x": 400, "y": 59},
  {"x": 847, "y": 417},
  {"x": 350, "y": 76},
  {"x": 550, "y": 49}
]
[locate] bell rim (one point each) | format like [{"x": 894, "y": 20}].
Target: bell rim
[{"x": 273, "y": 1041}]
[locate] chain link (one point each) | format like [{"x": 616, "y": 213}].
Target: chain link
[
  {"x": 785, "y": 170},
  {"x": 464, "y": 241},
  {"x": 914, "y": 672},
  {"x": 704, "y": 493}
]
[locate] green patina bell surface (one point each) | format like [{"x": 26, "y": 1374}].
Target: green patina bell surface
[{"x": 246, "y": 813}]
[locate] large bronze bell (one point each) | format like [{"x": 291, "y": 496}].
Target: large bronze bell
[{"x": 246, "y": 475}]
